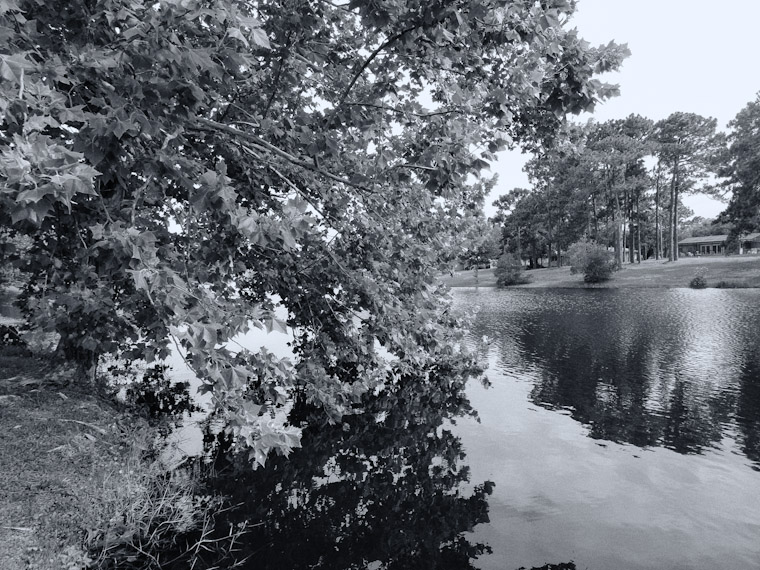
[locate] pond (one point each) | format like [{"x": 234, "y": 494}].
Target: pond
[
  {"x": 622, "y": 427},
  {"x": 621, "y": 430}
]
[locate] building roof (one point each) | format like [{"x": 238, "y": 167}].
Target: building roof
[
  {"x": 717, "y": 239},
  {"x": 703, "y": 239}
]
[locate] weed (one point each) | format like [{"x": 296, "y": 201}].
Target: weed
[{"x": 145, "y": 516}]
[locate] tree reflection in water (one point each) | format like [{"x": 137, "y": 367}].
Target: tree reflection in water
[
  {"x": 384, "y": 488},
  {"x": 748, "y": 410},
  {"x": 625, "y": 364}
]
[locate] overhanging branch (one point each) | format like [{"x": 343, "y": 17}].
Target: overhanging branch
[{"x": 262, "y": 145}]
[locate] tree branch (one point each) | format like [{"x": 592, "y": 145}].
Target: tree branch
[
  {"x": 364, "y": 66},
  {"x": 260, "y": 144},
  {"x": 416, "y": 167},
  {"x": 403, "y": 112}
]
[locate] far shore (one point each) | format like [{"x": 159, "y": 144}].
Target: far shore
[{"x": 721, "y": 271}]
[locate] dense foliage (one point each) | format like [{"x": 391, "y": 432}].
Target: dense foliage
[
  {"x": 385, "y": 488},
  {"x": 187, "y": 168}
]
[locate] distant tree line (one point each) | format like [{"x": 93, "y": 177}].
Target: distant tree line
[{"x": 620, "y": 183}]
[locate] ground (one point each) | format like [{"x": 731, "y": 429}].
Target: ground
[
  {"x": 734, "y": 270},
  {"x": 63, "y": 449}
]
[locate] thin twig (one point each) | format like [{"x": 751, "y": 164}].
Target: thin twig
[
  {"x": 364, "y": 66},
  {"x": 416, "y": 167},
  {"x": 101, "y": 431},
  {"x": 406, "y": 112},
  {"x": 18, "y": 528},
  {"x": 303, "y": 194}
]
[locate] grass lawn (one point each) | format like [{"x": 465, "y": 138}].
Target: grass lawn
[{"x": 742, "y": 271}]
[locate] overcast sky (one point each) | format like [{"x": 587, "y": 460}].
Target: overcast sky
[{"x": 698, "y": 56}]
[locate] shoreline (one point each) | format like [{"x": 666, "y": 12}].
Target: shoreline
[{"x": 721, "y": 272}]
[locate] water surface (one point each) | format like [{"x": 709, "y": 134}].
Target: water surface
[{"x": 622, "y": 427}]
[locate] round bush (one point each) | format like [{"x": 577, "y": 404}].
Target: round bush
[
  {"x": 598, "y": 268},
  {"x": 699, "y": 282},
  {"x": 509, "y": 271},
  {"x": 591, "y": 259}
]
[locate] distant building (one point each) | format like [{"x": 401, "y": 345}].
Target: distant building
[
  {"x": 716, "y": 245},
  {"x": 750, "y": 243},
  {"x": 703, "y": 245}
]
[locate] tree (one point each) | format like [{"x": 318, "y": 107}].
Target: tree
[
  {"x": 480, "y": 245},
  {"x": 187, "y": 167},
  {"x": 615, "y": 152},
  {"x": 742, "y": 170},
  {"x": 699, "y": 226},
  {"x": 520, "y": 212},
  {"x": 559, "y": 179},
  {"x": 553, "y": 213},
  {"x": 687, "y": 145}
]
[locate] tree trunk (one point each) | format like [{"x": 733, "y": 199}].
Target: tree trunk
[
  {"x": 657, "y": 234},
  {"x": 671, "y": 216},
  {"x": 549, "y": 234},
  {"x": 629, "y": 229},
  {"x": 632, "y": 246},
  {"x": 519, "y": 248},
  {"x": 638, "y": 226},
  {"x": 675, "y": 210},
  {"x": 618, "y": 233}
]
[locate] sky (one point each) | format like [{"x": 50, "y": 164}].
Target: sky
[{"x": 698, "y": 56}]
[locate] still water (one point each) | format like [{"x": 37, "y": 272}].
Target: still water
[{"x": 621, "y": 429}]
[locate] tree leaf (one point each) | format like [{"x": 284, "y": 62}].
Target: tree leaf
[
  {"x": 238, "y": 35},
  {"x": 259, "y": 38}
]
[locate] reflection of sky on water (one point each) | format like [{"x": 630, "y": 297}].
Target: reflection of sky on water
[{"x": 665, "y": 383}]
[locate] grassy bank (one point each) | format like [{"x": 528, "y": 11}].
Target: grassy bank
[
  {"x": 60, "y": 447},
  {"x": 85, "y": 480},
  {"x": 726, "y": 272}
]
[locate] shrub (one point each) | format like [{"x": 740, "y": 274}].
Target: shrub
[
  {"x": 509, "y": 271},
  {"x": 160, "y": 398},
  {"x": 723, "y": 284},
  {"x": 699, "y": 281},
  {"x": 148, "y": 514},
  {"x": 591, "y": 259}
]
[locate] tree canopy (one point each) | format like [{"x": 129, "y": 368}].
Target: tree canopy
[
  {"x": 742, "y": 169},
  {"x": 596, "y": 184},
  {"x": 187, "y": 168}
]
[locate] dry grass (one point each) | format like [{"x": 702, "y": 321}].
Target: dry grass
[
  {"x": 83, "y": 483},
  {"x": 56, "y": 440}
]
